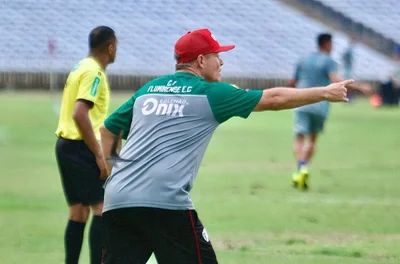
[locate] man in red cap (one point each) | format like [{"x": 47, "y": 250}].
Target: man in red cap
[
  {"x": 200, "y": 42},
  {"x": 167, "y": 125}
]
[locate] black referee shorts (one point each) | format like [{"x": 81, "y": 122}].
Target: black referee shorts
[
  {"x": 80, "y": 175},
  {"x": 131, "y": 235}
]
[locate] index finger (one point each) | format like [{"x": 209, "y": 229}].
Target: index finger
[{"x": 345, "y": 82}]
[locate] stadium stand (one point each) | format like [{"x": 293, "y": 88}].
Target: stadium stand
[
  {"x": 382, "y": 16},
  {"x": 269, "y": 35}
]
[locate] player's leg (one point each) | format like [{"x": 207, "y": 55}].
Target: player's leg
[
  {"x": 179, "y": 237},
  {"x": 309, "y": 149},
  {"x": 74, "y": 233},
  {"x": 302, "y": 178},
  {"x": 298, "y": 147},
  {"x": 317, "y": 127},
  {"x": 302, "y": 127},
  {"x": 66, "y": 152},
  {"x": 124, "y": 239}
]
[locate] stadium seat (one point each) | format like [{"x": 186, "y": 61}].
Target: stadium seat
[
  {"x": 269, "y": 35},
  {"x": 382, "y": 16}
]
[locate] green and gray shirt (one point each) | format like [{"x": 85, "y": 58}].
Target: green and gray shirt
[{"x": 167, "y": 125}]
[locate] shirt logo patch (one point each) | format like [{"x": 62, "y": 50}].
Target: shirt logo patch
[
  {"x": 95, "y": 85},
  {"x": 168, "y": 107}
]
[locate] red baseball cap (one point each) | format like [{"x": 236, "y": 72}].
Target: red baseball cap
[{"x": 197, "y": 42}]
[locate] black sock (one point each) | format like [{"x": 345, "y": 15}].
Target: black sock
[
  {"x": 95, "y": 240},
  {"x": 73, "y": 241}
]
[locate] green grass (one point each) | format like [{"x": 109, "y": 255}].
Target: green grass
[{"x": 243, "y": 195}]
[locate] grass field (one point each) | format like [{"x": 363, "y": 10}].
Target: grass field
[{"x": 350, "y": 215}]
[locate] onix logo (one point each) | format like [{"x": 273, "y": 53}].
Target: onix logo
[{"x": 152, "y": 105}]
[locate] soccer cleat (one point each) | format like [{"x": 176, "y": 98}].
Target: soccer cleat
[{"x": 300, "y": 179}]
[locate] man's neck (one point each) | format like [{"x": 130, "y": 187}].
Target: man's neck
[
  {"x": 99, "y": 59},
  {"x": 324, "y": 51},
  {"x": 190, "y": 70}
]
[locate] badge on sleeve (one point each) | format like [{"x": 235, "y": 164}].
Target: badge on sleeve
[{"x": 95, "y": 85}]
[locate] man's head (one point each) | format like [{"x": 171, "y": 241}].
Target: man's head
[
  {"x": 102, "y": 40},
  {"x": 198, "y": 51},
  {"x": 324, "y": 42}
]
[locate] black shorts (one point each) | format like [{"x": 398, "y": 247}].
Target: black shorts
[
  {"x": 131, "y": 235},
  {"x": 80, "y": 175}
]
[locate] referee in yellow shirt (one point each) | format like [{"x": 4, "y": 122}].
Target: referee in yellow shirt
[{"x": 80, "y": 160}]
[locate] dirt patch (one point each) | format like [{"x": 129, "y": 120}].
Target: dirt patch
[
  {"x": 334, "y": 245},
  {"x": 230, "y": 244},
  {"x": 332, "y": 239}
]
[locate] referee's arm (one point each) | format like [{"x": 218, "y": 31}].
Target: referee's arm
[
  {"x": 84, "y": 125},
  {"x": 87, "y": 97}
]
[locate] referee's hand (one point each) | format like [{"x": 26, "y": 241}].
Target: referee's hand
[{"x": 101, "y": 163}]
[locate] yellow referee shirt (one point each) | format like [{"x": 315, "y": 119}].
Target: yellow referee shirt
[{"x": 86, "y": 81}]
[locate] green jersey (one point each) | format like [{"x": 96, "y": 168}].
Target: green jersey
[{"x": 167, "y": 125}]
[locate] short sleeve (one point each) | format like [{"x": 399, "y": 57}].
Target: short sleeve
[
  {"x": 227, "y": 101},
  {"x": 331, "y": 66},
  {"x": 121, "y": 119},
  {"x": 89, "y": 86}
]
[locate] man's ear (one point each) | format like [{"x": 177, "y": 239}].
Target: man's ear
[
  {"x": 110, "y": 49},
  {"x": 200, "y": 61}
]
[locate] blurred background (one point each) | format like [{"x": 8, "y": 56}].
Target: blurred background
[
  {"x": 351, "y": 213},
  {"x": 271, "y": 35}
]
